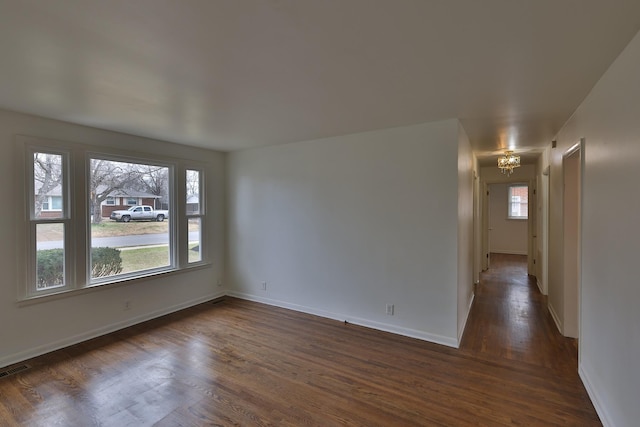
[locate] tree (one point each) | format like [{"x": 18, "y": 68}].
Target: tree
[
  {"x": 108, "y": 176},
  {"x": 193, "y": 183},
  {"x": 154, "y": 180},
  {"x": 47, "y": 175}
]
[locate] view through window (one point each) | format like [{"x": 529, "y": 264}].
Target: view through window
[
  {"x": 47, "y": 219},
  {"x": 123, "y": 224},
  {"x": 129, "y": 229},
  {"x": 194, "y": 214}
]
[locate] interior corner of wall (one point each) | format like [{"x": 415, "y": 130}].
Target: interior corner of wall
[{"x": 555, "y": 317}]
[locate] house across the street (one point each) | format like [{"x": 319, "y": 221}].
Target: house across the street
[
  {"x": 119, "y": 199},
  {"x": 123, "y": 199}
]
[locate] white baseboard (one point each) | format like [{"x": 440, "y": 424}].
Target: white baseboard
[
  {"x": 597, "y": 402},
  {"x": 463, "y": 324},
  {"x": 412, "y": 333},
  {"x": 555, "y": 317},
  {"x": 66, "y": 342},
  {"x": 540, "y": 286}
]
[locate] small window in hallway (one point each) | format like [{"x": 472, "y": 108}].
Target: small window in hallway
[{"x": 518, "y": 201}]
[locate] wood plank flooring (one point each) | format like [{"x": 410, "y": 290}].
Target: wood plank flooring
[
  {"x": 239, "y": 363},
  {"x": 510, "y": 319}
]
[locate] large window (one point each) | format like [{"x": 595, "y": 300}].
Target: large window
[
  {"x": 518, "y": 201},
  {"x": 101, "y": 243},
  {"x": 128, "y": 241}
]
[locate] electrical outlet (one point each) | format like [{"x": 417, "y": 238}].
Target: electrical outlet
[
  {"x": 219, "y": 283},
  {"x": 264, "y": 286},
  {"x": 127, "y": 305},
  {"x": 390, "y": 309}
]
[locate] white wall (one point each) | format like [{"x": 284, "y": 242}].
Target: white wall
[
  {"x": 36, "y": 327},
  {"x": 610, "y": 334},
  {"x": 506, "y": 236},
  {"x": 492, "y": 175},
  {"x": 342, "y": 226}
]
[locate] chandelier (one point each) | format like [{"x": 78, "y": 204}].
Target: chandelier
[{"x": 508, "y": 162}]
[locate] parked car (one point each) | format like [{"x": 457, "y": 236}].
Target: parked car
[{"x": 139, "y": 213}]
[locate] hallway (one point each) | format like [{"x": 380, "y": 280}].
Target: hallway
[{"x": 510, "y": 320}]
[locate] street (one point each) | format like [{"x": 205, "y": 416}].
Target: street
[{"x": 122, "y": 241}]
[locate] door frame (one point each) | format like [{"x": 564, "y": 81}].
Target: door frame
[
  {"x": 485, "y": 260},
  {"x": 571, "y": 240},
  {"x": 531, "y": 227}
]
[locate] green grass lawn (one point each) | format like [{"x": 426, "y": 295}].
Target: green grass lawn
[
  {"x": 151, "y": 257},
  {"x": 108, "y": 228}
]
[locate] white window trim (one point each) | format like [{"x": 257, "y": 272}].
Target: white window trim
[
  {"x": 173, "y": 257},
  {"x": 75, "y": 198},
  {"x": 201, "y": 214},
  {"x": 29, "y": 289}
]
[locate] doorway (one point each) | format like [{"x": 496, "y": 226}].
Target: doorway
[
  {"x": 572, "y": 164},
  {"x": 507, "y": 225}
]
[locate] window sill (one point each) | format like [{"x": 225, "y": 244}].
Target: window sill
[{"x": 65, "y": 293}]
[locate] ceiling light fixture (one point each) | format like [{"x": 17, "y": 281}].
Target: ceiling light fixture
[{"x": 508, "y": 162}]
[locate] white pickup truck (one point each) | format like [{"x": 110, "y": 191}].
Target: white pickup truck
[{"x": 139, "y": 213}]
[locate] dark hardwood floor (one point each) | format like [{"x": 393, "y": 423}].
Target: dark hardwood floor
[
  {"x": 510, "y": 320},
  {"x": 242, "y": 363}
]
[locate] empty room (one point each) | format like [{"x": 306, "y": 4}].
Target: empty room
[{"x": 283, "y": 212}]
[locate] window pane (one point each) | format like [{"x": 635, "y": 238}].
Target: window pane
[
  {"x": 49, "y": 256},
  {"x": 195, "y": 240},
  {"x": 519, "y": 201},
  {"x": 56, "y": 203},
  {"x": 193, "y": 192},
  {"x": 125, "y": 241},
  {"x": 47, "y": 183}
]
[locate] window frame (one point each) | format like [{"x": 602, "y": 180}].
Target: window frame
[
  {"x": 173, "y": 253},
  {"x": 30, "y": 284},
  {"x": 510, "y": 187},
  {"x": 76, "y": 219},
  {"x": 200, "y": 214}
]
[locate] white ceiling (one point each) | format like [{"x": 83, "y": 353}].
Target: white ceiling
[{"x": 235, "y": 74}]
